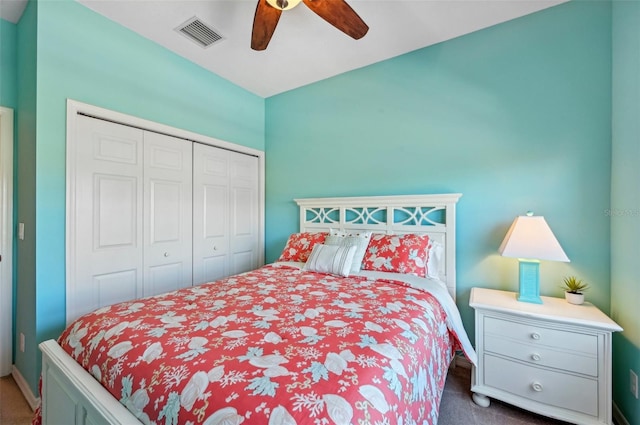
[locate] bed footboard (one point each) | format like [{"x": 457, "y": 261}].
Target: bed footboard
[{"x": 71, "y": 396}]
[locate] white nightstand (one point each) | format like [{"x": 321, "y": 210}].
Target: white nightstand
[{"x": 552, "y": 358}]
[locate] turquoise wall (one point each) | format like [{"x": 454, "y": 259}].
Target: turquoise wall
[
  {"x": 24, "y": 193},
  {"x": 8, "y": 64},
  {"x": 111, "y": 67},
  {"x": 515, "y": 117},
  {"x": 625, "y": 202}
]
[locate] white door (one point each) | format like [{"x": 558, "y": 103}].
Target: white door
[
  {"x": 244, "y": 213},
  {"x": 6, "y": 238},
  {"x": 225, "y": 213},
  {"x": 210, "y": 213},
  {"x": 107, "y": 210},
  {"x": 167, "y": 213}
]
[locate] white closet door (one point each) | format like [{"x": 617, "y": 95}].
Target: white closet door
[
  {"x": 225, "y": 213},
  {"x": 210, "y": 213},
  {"x": 167, "y": 213},
  {"x": 108, "y": 213},
  {"x": 244, "y": 213},
  {"x": 150, "y": 213}
]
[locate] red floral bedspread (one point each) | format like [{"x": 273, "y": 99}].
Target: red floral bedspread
[{"x": 273, "y": 346}]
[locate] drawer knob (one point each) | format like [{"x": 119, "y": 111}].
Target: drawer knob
[
  {"x": 536, "y": 357},
  {"x": 535, "y": 335},
  {"x": 166, "y": 254},
  {"x": 537, "y": 386}
]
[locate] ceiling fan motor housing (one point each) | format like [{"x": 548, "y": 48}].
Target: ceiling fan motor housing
[{"x": 284, "y": 4}]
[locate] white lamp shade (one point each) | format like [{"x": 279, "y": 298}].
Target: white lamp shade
[{"x": 530, "y": 237}]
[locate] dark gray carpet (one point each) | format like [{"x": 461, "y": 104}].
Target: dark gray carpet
[{"x": 457, "y": 407}]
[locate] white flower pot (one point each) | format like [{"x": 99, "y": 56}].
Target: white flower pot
[{"x": 574, "y": 298}]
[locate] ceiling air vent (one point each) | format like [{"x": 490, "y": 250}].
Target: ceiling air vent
[{"x": 199, "y": 32}]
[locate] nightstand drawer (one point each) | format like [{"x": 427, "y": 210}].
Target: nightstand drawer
[
  {"x": 541, "y": 355},
  {"x": 541, "y": 336},
  {"x": 543, "y": 386}
]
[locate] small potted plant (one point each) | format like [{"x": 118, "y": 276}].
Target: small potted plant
[{"x": 574, "y": 290}]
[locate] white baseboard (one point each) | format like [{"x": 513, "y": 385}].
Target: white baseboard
[
  {"x": 618, "y": 417},
  {"x": 24, "y": 387}
]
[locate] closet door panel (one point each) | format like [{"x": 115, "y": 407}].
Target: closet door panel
[
  {"x": 165, "y": 278},
  {"x": 165, "y": 207},
  {"x": 116, "y": 211},
  {"x": 210, "y": 213},
  {"x": 115, "y": 287},
  {"x": 167, "y": 213},
  {"x": 244, "y": 214},
  {"x": 214, "y": 239},
  {"x": 107, "y": 211}
]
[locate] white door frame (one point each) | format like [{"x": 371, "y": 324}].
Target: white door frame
[{"x": 6, "y": 239}]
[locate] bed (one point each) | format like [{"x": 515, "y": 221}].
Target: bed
[{"x": 317, "y": 337}]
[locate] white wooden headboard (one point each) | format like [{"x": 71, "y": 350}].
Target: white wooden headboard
[{"x": 434, "y": 215}]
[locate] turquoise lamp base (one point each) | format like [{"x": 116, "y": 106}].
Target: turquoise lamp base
[{"x": 529, "y": 281}]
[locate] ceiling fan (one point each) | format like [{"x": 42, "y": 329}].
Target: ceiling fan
[{"x": 337, "y": 12}]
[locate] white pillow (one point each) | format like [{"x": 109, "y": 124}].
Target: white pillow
[
  {"x": 332, "y": 259},
  {"x": 435, "y": 262},
  {"x": 336, "y": 232},
  {"x": 359, "y": 240}
]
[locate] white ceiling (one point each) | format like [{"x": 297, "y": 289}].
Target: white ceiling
[
  {"x": 11, "y": 10},
  {"x": 304, "y": 48}
]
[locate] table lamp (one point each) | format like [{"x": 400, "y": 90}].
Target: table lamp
[{"x": 530, "y": 240}]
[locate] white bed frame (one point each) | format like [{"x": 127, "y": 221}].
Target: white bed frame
[
  {"x": 71, "y": 396},
  {"x": 434, "y": 215}
]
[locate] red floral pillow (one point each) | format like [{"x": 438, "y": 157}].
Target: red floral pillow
[
  {"x": 300, "y": 245},
  {"x": 397, "y": 254}
]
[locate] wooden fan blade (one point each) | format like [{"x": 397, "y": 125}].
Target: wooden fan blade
[
  {"x": 264, "y": 24},
  {"x": 339, "y": 14}
]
